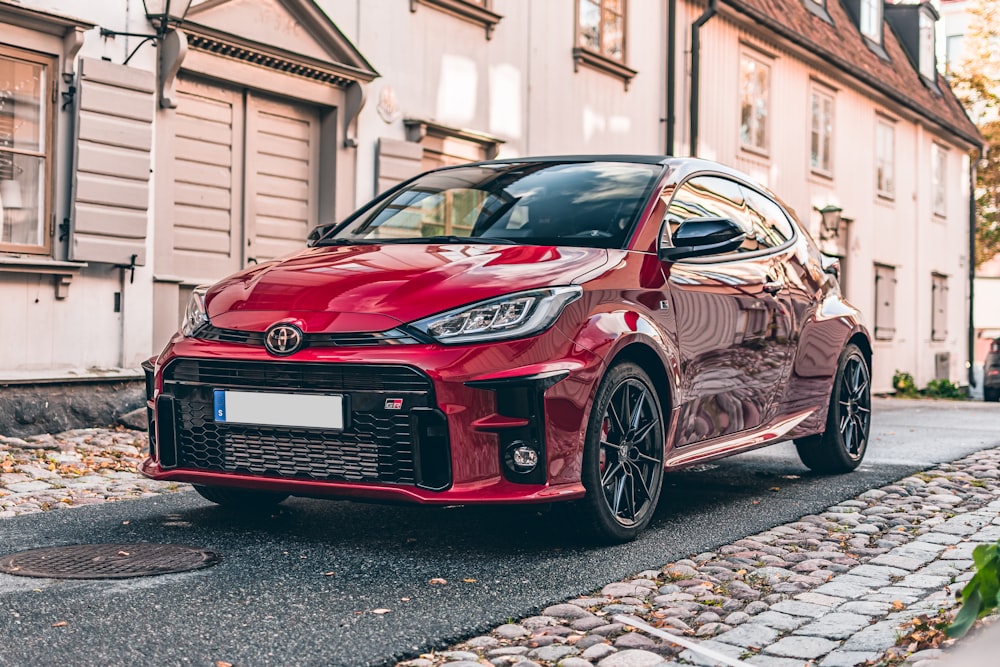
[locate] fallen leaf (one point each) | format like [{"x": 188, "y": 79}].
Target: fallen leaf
[
  {"x": 123, "y": 553},
  {"x": 437, "y": 581},
  {"x": 60, "y": 624},
  {"x": 223, "y": 663},
  {"x": 897, "y": 605},
  {"x": 404, "y": 599},
  {"x": 381, "y": 611},
  {"x": 469, "y": 581},
  {"x": 329, "y": 574},
  {"x": 775, "y": 488},
  {"x": 125, "y": 523}
]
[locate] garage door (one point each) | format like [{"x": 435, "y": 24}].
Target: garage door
[{"x": 245, "y": 179}]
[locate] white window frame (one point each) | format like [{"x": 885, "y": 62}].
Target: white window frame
[
  {"x": 821, "y": 114},
  {"x": 885, "y": 302},
  {"x": 870, "y": 19},
  {"x": 939, "y": 180},
  {"x": 758, "y": 102},
  {"x": 42, "y": 197},
  {"x": 885, "y": 158}
]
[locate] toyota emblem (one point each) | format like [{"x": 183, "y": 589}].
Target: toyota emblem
[{"x": 283, "y": 339}]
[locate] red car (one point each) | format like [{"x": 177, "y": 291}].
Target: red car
[{"x": 518, "y": 331}]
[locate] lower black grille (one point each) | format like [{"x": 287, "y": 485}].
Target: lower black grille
[{"x": 378, "y": 444}]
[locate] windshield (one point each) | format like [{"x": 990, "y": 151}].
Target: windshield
[{"x": 592, "y": 204}]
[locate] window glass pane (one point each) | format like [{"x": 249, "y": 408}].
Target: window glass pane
[
  {"x": 771, "y": 227},
  {"x": 926, "y": 46},
  {"x": 754, "y": 103},
  {"x": 22, "y": 201},
  {"x": 871, "y": 19},
  {"x": 614, "y": 35},
  {"x": 22, "y": 114},
  {"x": 590, "y": 19}
]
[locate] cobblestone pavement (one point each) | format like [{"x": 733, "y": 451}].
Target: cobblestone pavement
[
  {"x": 80, "y": 467},
  {"x": 860, "y": 584},
  {"x": 850, "y": 586}
]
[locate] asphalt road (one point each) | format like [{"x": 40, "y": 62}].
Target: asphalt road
[{"x": 271, "y": 601}]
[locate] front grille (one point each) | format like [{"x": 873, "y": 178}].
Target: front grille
[
  {"x": 377, "y": 445},
  {"x": 363, "y": 339}
]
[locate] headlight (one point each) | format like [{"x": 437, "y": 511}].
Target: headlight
[
  {"x": 513, "y": 316},
  {"x": 195, "y": 315}
]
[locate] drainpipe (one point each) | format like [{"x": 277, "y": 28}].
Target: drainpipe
[
  {"x": 710, "y": 11},
  {"x": 972, "y": 271},
  {"x": 671, "y": 73}
]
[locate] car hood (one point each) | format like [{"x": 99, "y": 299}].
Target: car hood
[{"x": 377, "y": 287}]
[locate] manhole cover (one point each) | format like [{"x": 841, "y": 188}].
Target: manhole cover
[{"x": 107, "y": 561}]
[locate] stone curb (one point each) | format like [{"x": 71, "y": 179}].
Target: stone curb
[{"x": 836, "y": 589}]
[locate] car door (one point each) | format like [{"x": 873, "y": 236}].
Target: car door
[{"x": 731, "y": 330}]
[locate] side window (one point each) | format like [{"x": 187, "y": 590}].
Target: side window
[
  {"x": 771, "y": 227},
  {"x": 707, "y": 197}
]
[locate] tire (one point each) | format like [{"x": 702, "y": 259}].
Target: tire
[
  {"x": 245, "y": 500},
  {"x": 622, "y": 456},
  {"x": 991, "y": 394},
  {"x": 841, "y": 447}
]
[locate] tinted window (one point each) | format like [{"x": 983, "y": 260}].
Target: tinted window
[
  {"x": 544, "y": 203},
  {"x": 771, "y": 227},
  {"x": 708, "y": 197}
]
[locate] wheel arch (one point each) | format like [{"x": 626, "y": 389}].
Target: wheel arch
[
  {"x": 648, "y": 360},
  {"x": 864, "y": 345}
]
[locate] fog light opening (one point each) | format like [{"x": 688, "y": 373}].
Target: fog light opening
[{"x": 523, "y": 458}]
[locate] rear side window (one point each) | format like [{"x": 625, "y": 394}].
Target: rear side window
[
  {"x": 707, "y": 197},
  {"x": 771, "y": 227}
]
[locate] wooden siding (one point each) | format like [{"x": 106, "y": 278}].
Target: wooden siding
[{"x": 114, "y": 136}]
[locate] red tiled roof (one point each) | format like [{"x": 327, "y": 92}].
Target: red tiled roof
[{"x": 842, "y": 45}]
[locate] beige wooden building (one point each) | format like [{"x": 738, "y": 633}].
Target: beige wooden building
[{"x": 255, "y": 120}]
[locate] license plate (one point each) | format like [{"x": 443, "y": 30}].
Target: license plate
[{"x": 301, "y": 410}]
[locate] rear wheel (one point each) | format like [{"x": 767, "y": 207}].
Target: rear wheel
[
  {"x": 623, "y": 455},
  {"x": 991, "y": 394},
  {"x": 248, "y": 500},
  {"x": 842, "y": 446}
]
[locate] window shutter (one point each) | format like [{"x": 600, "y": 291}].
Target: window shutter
[
  {"x": 397, "y": 162},
  {"x": 114, "y": 135}
]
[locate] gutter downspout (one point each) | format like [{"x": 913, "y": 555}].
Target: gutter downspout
[
  {"x": 671, "y": 74},
  {"x": 972, "y": 270},
  {"x": 710, "y": 11}
]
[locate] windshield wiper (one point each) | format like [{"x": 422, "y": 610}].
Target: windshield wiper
[
  {"x": 346, "y": 241},
  {"x": 444, "y": 238}
]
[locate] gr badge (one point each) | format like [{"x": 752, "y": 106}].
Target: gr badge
[{"x": 393, "y": 404}]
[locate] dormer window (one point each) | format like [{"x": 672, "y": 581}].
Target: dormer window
[
  {"x": 927, "y": 46},
  {"x": 870, "y": 20}
]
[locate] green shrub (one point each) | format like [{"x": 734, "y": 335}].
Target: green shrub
[
  {"x": 980, "y": 595},
  {"x": 943, "y": 389},
  {"x": 904, "y": 384}
]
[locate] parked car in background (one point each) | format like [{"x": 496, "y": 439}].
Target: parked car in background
[
  {"x": 518, "y": 331},
  {"x": 991, "y": 372}
]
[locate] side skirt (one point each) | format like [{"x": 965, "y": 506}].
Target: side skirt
[{"x": 731, "y": 444}]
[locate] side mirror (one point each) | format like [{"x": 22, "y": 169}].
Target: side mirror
[{"x": 699, "y": 237}]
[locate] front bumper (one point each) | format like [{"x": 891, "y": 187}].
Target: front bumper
[{"x": 459, "y": 414}]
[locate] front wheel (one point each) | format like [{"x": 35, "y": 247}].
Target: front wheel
[
  {"x": 245, "y": 500},
  {"x": 842, "y": 446},
  {"x": 623, "y": 455}
]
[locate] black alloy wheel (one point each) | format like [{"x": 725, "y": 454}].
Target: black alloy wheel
[
  {"x": 623, "y": 455},
  {"x": 842, "y": 446}
]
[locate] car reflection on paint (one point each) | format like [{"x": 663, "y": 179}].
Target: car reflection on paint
[{"x": 518, "y": 331}]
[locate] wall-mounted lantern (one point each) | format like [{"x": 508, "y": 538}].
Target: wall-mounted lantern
[
  {"x": 830, "y": 219},
  {"x": 165, "y": 15}
]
